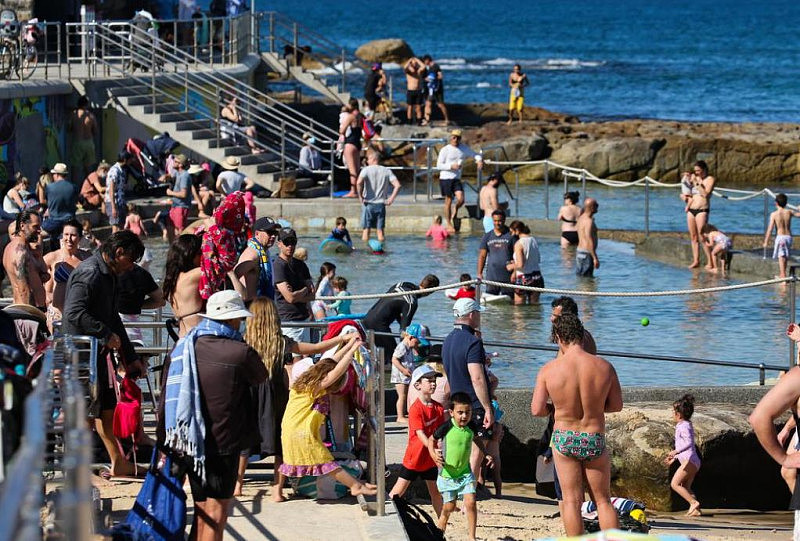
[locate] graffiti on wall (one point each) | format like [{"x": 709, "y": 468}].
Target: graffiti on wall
[{"x": 32, "y": 135}]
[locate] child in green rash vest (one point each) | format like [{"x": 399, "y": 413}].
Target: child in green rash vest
[{"x": 451, "y": 445}]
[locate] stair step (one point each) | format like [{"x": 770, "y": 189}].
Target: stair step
[
  {"x": 314, "y": 192},
  {"x": 177, "y": 117},
  {"x": 164, "y": 108},
  {"x": 209, "y": 133},
  {"x": 131, "y": 90},
  {"x": 189, "y": 125},
  {"x": 255, "y": 159},
  {"x": 219, "y": 143},
  {"x": 271, "y": 167},
  {"x": 240, "y": 150}
]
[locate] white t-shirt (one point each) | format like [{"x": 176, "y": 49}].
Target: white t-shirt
[
  {"x": 232, "y": 181},
  {"x": 454, "y": 154},
  {"x": 377, "y": 180}
]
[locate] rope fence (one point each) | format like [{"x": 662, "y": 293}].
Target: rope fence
[{"x": 572, "y": 292}]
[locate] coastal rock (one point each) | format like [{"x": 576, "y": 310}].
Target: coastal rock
[
  {"x": 620, "y": 158},
  {"x": 385, "y": 50}
]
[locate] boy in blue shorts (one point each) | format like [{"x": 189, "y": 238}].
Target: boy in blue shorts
[{"x": 454, "y": 439}]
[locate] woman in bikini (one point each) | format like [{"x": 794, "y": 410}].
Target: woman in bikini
[
  {"x": 181, "y": 281},
  {"x": 350, "y": 129},
  {"x": 568, "y": 215},
  {"x": 61, "y": 263},
  {"x": 698, "y": 206}
]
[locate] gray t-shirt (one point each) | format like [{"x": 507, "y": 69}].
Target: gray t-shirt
[
  {"x": 232, "y": 181},
  {"x": 182, "y": 182},
  {"x": 377, "y": 180}
]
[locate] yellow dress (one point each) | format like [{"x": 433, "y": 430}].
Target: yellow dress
[{"x": 304, "y": 453}]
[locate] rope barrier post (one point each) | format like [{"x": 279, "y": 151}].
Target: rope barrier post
[
  {"x": 792, "y": 310},
  {"x": 414, "y": 173},
  {"x": 766, "y": 211},
  {"x": 546, "y": 190},
  {"x": 583, "y": 183},
  {"x": 761, "y": 374},
  {"x": 646, "y": 207},
  {"x": 566, "y": 181}
]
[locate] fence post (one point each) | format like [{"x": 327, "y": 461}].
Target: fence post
[
  {"x": 380, "y": 412},
  {"x": 372, "y": 409},
  {"x": 583, "y": 183},
  {"x": 294, "y": 42},
  {"x": 646, "y": 207},
  {"x": 414, "y": 173},
  {"x": 792, "y": 310},
  {"x": 272, "y": 31},
  {"x": 430, "y": 172},
  {"x": 333, "y": 157},
  {"x": 546, "y": 190},
  {"x": 766, "y": 221}
]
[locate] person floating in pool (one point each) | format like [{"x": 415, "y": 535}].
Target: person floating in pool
[{"x": 341, "y": 233}]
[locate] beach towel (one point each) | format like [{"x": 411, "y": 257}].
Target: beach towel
[
  {"x": 183, "y": 415},
  {"x": 220, "y": 244}
]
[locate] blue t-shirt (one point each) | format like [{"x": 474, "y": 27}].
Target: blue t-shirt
[
  {"x": 343, "y": 235},
  {"x": 500, "y": 250},
  {"x": 61, "y": 198},
  {"x": 182, "y": 182},
  {"x": 461, "y": 348}
]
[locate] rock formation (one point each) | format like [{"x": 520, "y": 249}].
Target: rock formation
[{"x": 385, "y": 50}]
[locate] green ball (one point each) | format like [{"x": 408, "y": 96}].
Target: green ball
[{"x": 645, "y": 322}]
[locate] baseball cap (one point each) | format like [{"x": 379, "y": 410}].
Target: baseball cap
[
  {"x": 265, "y": 223},
  {"x": 464, "y": 307},
  {"x": 224, "y": 305},
  {"x": 418, "y": 331},
  {"x": 423, "y": 371},
  {"x": 456, "y": 133},
  {"x": 287, "y": 234}
]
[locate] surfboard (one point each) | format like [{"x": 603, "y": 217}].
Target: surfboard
[
  {"x": 488, "y": 298},
  {"x": 334, "y": 246}
]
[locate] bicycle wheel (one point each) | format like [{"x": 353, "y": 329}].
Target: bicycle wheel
[
  {"x": 6, "y": 61},
  {"x": 28, "y": 61}
]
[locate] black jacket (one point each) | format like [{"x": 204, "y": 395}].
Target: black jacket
[{"x": 90, "y": 307}]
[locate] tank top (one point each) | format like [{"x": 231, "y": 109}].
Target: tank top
[
  {"x": 530, "y": 249},
  {"x": 265, "y": 287},
  {"x": 353, "y": 136}
]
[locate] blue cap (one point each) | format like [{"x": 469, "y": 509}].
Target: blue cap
[{"x": 418, "y": 331}]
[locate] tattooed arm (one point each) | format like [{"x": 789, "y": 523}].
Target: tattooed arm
[{"x": 20, "y": 275}]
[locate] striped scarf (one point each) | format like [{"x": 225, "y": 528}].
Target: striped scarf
[{"x": 183, "y": 415}]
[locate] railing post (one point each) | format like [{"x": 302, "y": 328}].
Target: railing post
[
  {"x": 766, "y": 220},
  {"x": 185, "y": 88},
  {"x": 380, "y": 414},
  {"x": 546, "y": 190},
  {"x": 414, "y": 172},
  {"x": 761, "y": 374},
  {"x": 372, "y": 408},
  {"x": 333, "y": 157},
  {"x": 295, "y": 43},
  {"x": 429, "y": 165},
  {"x": 583, "y": 183},
  {"x": 272, "y": 31},
  {"x": 253, "y": 48},
  {"x": 792, "y": 310},
  {"x": 646, "y": 207},
  {"x": 283, "y": 147}
]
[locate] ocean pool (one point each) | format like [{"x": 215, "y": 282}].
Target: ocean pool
[{"x": 744, "y": 325}]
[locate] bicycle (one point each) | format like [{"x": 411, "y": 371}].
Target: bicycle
[{"x": 18, "y": 54}]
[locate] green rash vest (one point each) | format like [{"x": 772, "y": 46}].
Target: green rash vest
[{"x": 456, "y": 448}]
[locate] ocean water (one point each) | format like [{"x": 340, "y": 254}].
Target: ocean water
[
  {"x": 723, "y": 60},
  {"x": 745, "y": 325}
]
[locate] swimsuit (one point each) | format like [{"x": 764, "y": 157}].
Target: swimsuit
[
  {"x": 61, "y": 275},
  {"x": 581, "y": 446},
  {"x": 571, "y": 237},
  {"x": 353, "y": 136},
  {"x": 783, "y": 246},
  {"x": 695, "y": 212},
  {"x": 723, "y": 241}
]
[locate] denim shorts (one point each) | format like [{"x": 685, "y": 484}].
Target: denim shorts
[{"x": 373, "y": 215}]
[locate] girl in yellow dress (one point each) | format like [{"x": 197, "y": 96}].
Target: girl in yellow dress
[{"x": 304, "y": 453}]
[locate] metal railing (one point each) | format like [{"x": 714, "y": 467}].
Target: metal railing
[
  {"x": 70, "y": 514},
  {"x": 286, "y": 37}
]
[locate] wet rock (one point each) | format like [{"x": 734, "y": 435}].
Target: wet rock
[
  {"x": 385, "y": 50},
  {"x": 620, "y": 158}
]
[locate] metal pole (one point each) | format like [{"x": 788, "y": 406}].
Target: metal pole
[
  {"x": 646, "y": 207},
  {"x": 253, "y": 26},
  {"x": 792, "y": 310},
  {"x": 344, "y": 69},
  {"x": 583, "y": 183},
  {"x": 430, "y": 171},
  {"x": 766, "y": 223},
  {"x": 414, "y": 173},
  {"x": 380, "y": 412},
  {"x": 333, "y": 157},
  {"x": 516, "y": 193},
  {"x": 283, "y": 147},
  {"x": 294, "y": 42},
  {"x": 372, "y": 407},
  {"x": 566, "y": 181},
  {"x": 272, "y": 31},
  {"x": 546, "y": 190}
]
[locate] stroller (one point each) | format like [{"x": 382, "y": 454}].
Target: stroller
[{"x": 151, "y": 157}]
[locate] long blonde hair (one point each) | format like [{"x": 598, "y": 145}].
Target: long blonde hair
[
  {"x": 311, "y": 379},
  {"x": 264, "y": 335}
]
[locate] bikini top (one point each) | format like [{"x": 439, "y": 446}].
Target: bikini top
[
  {"x": 569, "y": 221},
  {"x": 62, "y": 273}
]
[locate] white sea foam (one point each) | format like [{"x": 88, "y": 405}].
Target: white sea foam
[
  {"x": 484, "y": 84},
  {"x": 336, "y": 69},
  {"x": 391, "y": 66},
  {"x": 451, "y": 61},
  {"x": 500, "y": 62}
]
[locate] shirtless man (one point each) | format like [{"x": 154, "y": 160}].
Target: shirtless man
[
  {"x": 567, "y": 305},
  {"x": 586, "y": 259},
  {"x": 414, "y": 69},
  {"x": 781, "y": 221},
  {"x": 582, "y": 388},
  {"x": 25, "y": 268},
  {"x": 487, "y": 199},
  {"x": 60, "y": 264},
  {"x": 83, "y": 125}
]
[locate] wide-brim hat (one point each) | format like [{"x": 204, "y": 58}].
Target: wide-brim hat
[
  {"x": 195, "y": 168},
  {"x": 231, "y": 162},
  {"x": 59, "y": 169},
  {"x": 224, "y": 305},
  {"x": 456, "y": 133}
]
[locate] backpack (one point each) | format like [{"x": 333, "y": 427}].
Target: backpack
[
  {"x": 418, "y": 524},
  {"x": 367, "y": 128}
]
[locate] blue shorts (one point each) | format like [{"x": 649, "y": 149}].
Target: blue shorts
[
  {"x": 373, "y": 215},
  {"x": 584, "y": 264},
  {"x": 452, "y": 489}
]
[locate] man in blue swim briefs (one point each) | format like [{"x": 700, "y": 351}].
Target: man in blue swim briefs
[{"x": 580, "y": 388}]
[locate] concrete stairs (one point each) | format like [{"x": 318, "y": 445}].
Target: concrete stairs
[
  {"x": 198, "y": 134},
  {"x": 281, "y": 66}
]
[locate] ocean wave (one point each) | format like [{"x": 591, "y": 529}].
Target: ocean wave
[
  {"x": 485, "y": 84},
  {"x": 451, "y": 61},
  {"x": 391, "y": 66},
  {"x": 500, "y": 62}
]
